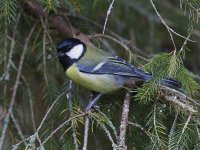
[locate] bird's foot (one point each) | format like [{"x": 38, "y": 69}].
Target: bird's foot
[
  {"x": 93, "y": 102},
  {"x": 94, "y": 108}
]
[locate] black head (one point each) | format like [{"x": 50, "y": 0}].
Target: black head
[{"x": 70, "y": 51}]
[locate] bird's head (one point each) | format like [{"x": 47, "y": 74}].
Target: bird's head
[{"x": 70, "y": 51}]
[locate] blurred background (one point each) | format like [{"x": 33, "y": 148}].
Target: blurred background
[{"x": 31, "y": 78}]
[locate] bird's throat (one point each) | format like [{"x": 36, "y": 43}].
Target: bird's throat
[{"x": 66, "y": 62}]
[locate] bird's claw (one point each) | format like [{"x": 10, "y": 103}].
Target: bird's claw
[{"x": 94, "y": 108}]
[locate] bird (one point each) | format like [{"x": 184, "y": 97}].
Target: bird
[{"x": 100, "y": 71}]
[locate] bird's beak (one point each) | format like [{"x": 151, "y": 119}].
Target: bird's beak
[{"x": 60, "y": 54}]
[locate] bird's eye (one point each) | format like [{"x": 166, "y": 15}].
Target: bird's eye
[{"x": 69, "y": 47}]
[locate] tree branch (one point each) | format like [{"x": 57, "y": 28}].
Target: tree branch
[
  {"x": 124, "y": 122},
  {"x": 58, "y": 128},
  {"x": 58, "y": 21},
  {"x": 179, "y": 99},
  {"x": 87, "y": 123},
  {"x": 10, "y": 109}
]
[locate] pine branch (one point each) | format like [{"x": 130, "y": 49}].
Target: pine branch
[
  {"x": 118, "y": 42},
  {"x": 176, "y": 98},
  {"x": 7, "y": 117},
  {"x": 36, "y": 134},
  {"x": 170, "y": 30},
  {"x": 109, "y": 123},
  {"x": 182, "y": 136},
  {"x": 70, "y": 99},
  {"x": 6, "y": 75},
  {"x": 192, "y": 7},
  {"x": 157, "y": 128},
  {"x": 170, "y": 66},
  {"x": 108, "y": 13},
  {"x": 20, "y": 132},
  {"x": 102, "y": 125},
  {"x": 8, "y": 10},
  {"x": 183, "y": 130},
  {"x": 141, "y": 128},
  {"x": 51, "y": 5},
  {"x": 58, "y": 21},
  {"x": 87, "y": 123},
  {"x": 58, "y": 128},
  {"x": 124, "y": 121},
  {"x": 172, "y": 130}
]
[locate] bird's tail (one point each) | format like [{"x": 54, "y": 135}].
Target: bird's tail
[{"x": 165, "y": 81}]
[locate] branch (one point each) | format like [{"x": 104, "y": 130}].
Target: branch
[
  {"x": 49, "y": 110},
  {"x": 70, "y": 102},
  {"x": 62, "y": 24},
  {"x": 17, "y": 126},
  {"x": 124, "y": 122},
  {"x": 36, "y": 134},
  {"x": 98, "y": 120},
  {"x": 57, "y": 129},
  {"x": 87, "y": 123},
  {"x": 108, "y": 13},
  {"x": 10, "y": 109},
  {"x": 172, "y": 130},
  {"x": 176, "y": 98},
  {"x": 140, "y": 127},
  {"x": 179, "y": 99},
  {"x": 116, "y": 41}
]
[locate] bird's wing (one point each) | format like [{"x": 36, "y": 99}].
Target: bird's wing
[{"x": 113, "y": 65}]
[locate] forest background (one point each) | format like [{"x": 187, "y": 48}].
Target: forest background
[{"x": 40, "y": 108}]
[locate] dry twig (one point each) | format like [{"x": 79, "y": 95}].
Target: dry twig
[
  {"x": 108, "y": 13},
  {"x": 58, "y": 21},
  {"x": 57, "y": 129},
  {"x": 87, "y": 123},
  {"x": 124, "y": 121},
  {"x": 179, "y": 99},
  {"x": 7, "y": 117}
]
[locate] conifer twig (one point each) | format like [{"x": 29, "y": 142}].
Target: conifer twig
[
  {"x": 179, "y": 99},
  {"x": 140, "y": 127},
  {"x": 116, "y": 41},
  {"x": 36, "y": 135},
  {"x": 17, "y": 126},
  {"x": 7, "y": 117},
  {"x": 57, "y": 129},
  {"x": 70, "y": 100},
  {"x": 165, "y": 24},
  {"x": 49, "y": 110},
  {"x": 44, "y": 52},
  {"x": 112, "y": 34},
  {"x": 87, "y": 123},
  {"x": 97, "y": 25},
  {"x": 173, "y": 128},
  {"x": 30, "y": 95},
  {"x": 155, "y": 126},
  {"x": 12, "y": 45},
  {"x": 94, "y": 116},
  {"x": 58, "y": 21},
  {"x": 109, "y": 123},
  {"x": 170, "y": 30},
  {"x": 183, "y": 130},
  {"x": 185, "y": 42},
  {"x": 124, "y": 121},
  {"x": 108, "y": 13}
]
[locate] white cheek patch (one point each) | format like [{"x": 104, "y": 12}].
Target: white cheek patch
[{"x": 75, "y": 52}]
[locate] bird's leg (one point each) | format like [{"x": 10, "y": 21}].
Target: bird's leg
[{"x": 93, "y": 102}]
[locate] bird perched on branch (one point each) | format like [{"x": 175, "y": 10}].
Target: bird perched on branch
[{"x": 99, "y": 71}]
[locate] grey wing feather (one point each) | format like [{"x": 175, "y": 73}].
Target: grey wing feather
[
  {"x": 118, "y": 66},
  {"x": 114, "y": 65}
]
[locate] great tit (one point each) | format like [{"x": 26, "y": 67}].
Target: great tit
[{"x": 98, "y": 70}]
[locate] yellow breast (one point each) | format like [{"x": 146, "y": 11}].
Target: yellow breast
[{"x": 102, "y": 83}]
